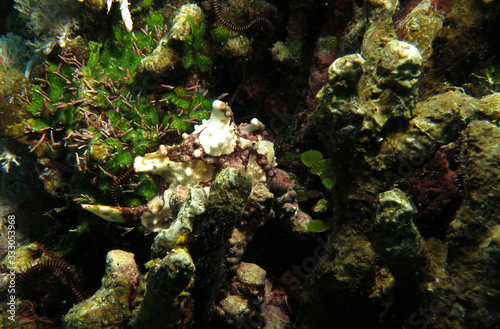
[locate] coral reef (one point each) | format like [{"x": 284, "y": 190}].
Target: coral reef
[
  {"x": 166, "y": 280},
  {"x": 258, "y": 165},
  {"x": 253, "y": 302},
  {"x": 111, "y": 304},
  {"x": 368, "y": 115},
  {"x": 52, "y": 21}
]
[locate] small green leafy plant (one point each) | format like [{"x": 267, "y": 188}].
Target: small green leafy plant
[
  {"x": 317, "y": 226},
  {"x": 192, "y": 46},
  {"x": 294, "y": 47},
  {"x": 319, "y": 166}
]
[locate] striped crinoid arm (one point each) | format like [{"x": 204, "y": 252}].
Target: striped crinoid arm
[
  {"x": 64, "y": 272},
  {"x": 234, "y": 27}
]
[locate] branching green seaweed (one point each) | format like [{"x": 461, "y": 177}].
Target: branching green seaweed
[
  {"x": 192, "y": 46},
  {"x": 99, "y": 113}
]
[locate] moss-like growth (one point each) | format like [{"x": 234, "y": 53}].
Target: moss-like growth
[
  {"x": 104, "y": 113},
  {"x": 97, "y": 102},
  {"x": 317, "y": 226},
  {"x": 187, "y": 55},
  {"x": 194, "y": 108},
  {"x": 204, "y": 62},
  {"x": 294, "y": 47},
  {"x": 154, "y": 19},
  {"x": 193, "y": 45},
  {"x": 198, "y": 33},
  {"x": 147, "y": 189},
  {"x": 219, "y": 34}
]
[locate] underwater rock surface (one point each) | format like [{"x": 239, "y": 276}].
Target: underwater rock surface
[
  {"x": 273, "y": 165},
  {"x": 166, "y": 280},
  {"x": 111, "y": 304},
  {"x": 474, "y": 235},
  {"x": 377, "y": 133}
]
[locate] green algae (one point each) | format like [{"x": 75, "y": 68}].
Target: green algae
[
  {"x": 310, "y": 157},
  {"x": 192, "y": 46},
  {"x": 294, "y": 47},
  {"x": 104, "y": 92},
  {"x": 219, "y": 34},
  {"x": 319, "y": 166},
  {"x": 317, "y": 226},
  {"x": 204, "y": 62},
  {"x": 155, "y": 20},
  {"x": 197, "y": 107}
]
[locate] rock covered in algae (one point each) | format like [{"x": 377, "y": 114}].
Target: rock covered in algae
[
  {"x": 191, "y": 208},
  {"x": 397, "y": 238},
  {"x": 165, "y": 56},
  {"x": 228, "y": 194},
  {"x": 376, "y": 125},
  {"x": 96, "y": 5},
  {"x": 165, "y": 281},
  {"x": 257, "y": 209},
  {"x": 247, "y": 290},
  {"x": 181, "y": 27},
  {"x": 371, "y": 125},
  {"x": 346, "y": 70},
  {"x": 421, "y": 26},
  {"x": 234, "y": 309},
  {"x": 253, "y": 302},
  {"x": 100, "y": 151},
  {"x": 364, "y": 97},
  {"x": 250, "y": 279},
  {"x": 110, "y": 306},
  {"x": 14, "y": 118},
  {"x": 400, "y": 64},
  {"x": 474, "y": 235},
  {"x": 342, "y": 272}
]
